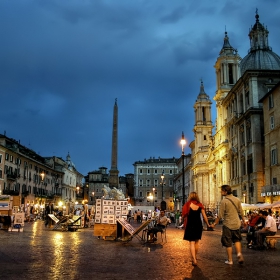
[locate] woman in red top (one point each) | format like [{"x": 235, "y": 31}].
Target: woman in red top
[{"x": 191, "y": 212}]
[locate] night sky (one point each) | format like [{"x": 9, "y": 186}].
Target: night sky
[{"x": 63, "y": 63}]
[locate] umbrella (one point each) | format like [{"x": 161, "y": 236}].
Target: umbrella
[
  {"x": 275, "y": 204},
  {"x": 246, "y": 206},
  {"x": 263, "y": 205}
]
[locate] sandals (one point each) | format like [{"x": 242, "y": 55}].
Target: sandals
[{"x": 194, "y": 263}]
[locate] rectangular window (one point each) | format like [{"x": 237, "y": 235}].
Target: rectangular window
[
  {"x": 148, "y": 183},
  {"x": 270, "y": 101},
  {"x": 170, "y": 171},
  {"x": 1, "y": 173},
  {"x": 156, "y": 182},
  {"x": 140, "y": 182},
  {"x": 140, "y": 171},
  {"x": 11, "y": 158},
  {"x": 247, "y": 98},
  {"x": 274, "y": 156},
  {"x": 140, "y": 194},
  {"x": 7, "y": 156},
  {"x": 230, "y": 73},
  {"x": 170, "y": 182},
  {"x": 250, "y": 166},
  {"x": 155, "y": 171},
  {"x": 0, "y": 158},
  {"x": 274, "y": 181},
  {"x": 148, "y": 171},
  {"x": 271, "y": 122}
]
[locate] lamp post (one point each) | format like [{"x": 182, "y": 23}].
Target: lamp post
[
  {"x": 162, "y": 183},
  {"x": 42, "y": 182},
  {"x": 92, "y": 195},
  {"x": 154, "y": 196},
  {"x": 183, "y": 143}
]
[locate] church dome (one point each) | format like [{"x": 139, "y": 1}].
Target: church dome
[{"x": 260, "y": 56}]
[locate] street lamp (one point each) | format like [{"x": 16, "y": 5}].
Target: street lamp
[
  {"x": 154, "y": 196},
  {"x": 42, "y": 182},
  {"x": 162, "y": 182},
  {"x": 183, "y": 143},
  {"x": 150, "y": 197}
]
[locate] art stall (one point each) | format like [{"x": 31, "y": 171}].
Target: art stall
[
  {"x": 107, "y": 211},
  {"x": 6, "y": 205},
  {"x": 10, "y": 217},
  {"x": 111, "y": 217}
]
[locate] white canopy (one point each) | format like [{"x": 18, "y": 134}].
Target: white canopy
[
  {"x": 275, "y": 204},
  {"x": 247, "y": 206}
]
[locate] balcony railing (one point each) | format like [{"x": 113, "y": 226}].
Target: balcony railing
[
  {"x": 11, "y": 176},
  {"x": 10, "y": 192}
]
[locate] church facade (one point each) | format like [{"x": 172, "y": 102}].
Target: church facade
[{"x": 233, "y": 150}]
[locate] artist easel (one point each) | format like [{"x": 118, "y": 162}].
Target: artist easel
[{"x": 125, "y": 231}]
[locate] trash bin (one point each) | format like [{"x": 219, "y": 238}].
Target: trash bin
[{"x": 211, "y": 220}]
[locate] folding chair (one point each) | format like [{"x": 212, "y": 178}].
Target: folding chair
[
  {"x": 59, "y": 223},
  {"x": 74, "y": 223}
]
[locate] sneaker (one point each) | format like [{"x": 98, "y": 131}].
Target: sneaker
[
  {"x": 240, "y": 259},
  {"x": 228, "y": 262}
]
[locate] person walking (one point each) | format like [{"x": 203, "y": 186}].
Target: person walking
[
  {"x": 231, "y": 213},
  {"x": 191, "y": 213},
  {"x": 49, "y": 210}
]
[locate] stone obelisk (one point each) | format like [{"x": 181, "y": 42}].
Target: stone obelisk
[{"x": 114, "y": 173}]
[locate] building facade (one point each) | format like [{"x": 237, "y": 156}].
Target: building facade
[
  {"x": 271, "y": 190},
  {"x": 95, "y": 182},
  {"x": 33, "y": 179},
  {"x": 235, "y": 153},
  {"x": 154, "y": 182}
]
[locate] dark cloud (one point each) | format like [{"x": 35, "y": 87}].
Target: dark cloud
[{"x": 63, "y": 63}]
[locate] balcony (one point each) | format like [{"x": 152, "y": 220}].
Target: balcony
[
  {"x": 11, "y": 176},
  {"x": 10, "y": 192}
]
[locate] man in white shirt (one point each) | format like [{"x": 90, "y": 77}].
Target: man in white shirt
[{"x": 269, "y": 229}]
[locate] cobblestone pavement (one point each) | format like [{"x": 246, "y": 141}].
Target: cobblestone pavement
[{"x": 40, "y": 253}]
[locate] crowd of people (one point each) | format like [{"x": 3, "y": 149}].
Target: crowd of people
[
  {"x": 260, "y": 224},
  {"x": 257, "y": 224}
]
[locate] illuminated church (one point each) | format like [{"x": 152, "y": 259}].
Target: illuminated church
[{"x": 232, "y": 151}]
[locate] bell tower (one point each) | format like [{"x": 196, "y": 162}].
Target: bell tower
[
  {"x": 227, "y": 74},
  {"x": 203, "y": 138}
]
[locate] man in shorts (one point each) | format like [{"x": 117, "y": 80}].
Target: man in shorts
[{"x": 230, "y": 212}]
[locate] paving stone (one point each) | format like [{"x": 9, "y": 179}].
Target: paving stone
[{"x": 42, "y": 253}]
